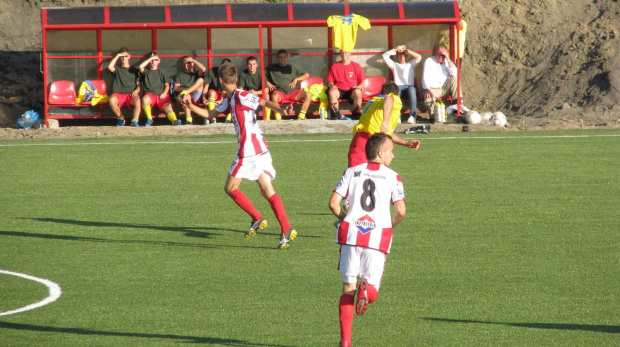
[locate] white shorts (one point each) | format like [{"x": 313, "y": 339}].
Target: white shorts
[
  {"x": 361, "y": 262},
  {"x": 250, "y": 168}
]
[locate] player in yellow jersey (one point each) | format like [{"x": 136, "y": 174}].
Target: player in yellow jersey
[{"x": 379, "y": 116}]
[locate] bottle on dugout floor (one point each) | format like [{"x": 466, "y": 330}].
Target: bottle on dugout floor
[{"x": 27, "y": 119}]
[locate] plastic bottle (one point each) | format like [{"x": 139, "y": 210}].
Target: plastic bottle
[
  {"x": 442, "y": 110},
  {"x": 437, "y": 111},
  {"x": 322, "y": 113},
  {"x": 27, "y": 119}
]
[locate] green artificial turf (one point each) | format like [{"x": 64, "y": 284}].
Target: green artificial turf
[{"x": 511, "y": 239}]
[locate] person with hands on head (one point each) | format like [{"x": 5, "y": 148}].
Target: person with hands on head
[
  {"x": 438, "y": 78},
  {"x": 404, "y": 75},
  {"x": 190, "y": 81},
  {"x": 155, "y": 83},
  {"x": 125, "y": 87},
  {"x": 380, "y": 115},
  {"x": 253, "y": 161}
]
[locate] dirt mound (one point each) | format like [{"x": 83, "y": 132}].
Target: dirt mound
[{"x": 541, "y": 62}]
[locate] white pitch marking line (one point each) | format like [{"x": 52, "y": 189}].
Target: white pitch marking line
[
  {"x": 53, "y": 287},
  {"x": 296, "y": 141}
]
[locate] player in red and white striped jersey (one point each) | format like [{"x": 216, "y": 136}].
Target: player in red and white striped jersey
[
  {"x": 253, "y": 160},
  {"x": 365, "y": 232}
]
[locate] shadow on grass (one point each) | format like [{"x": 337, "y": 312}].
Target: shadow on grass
[
  {"x": 188, "y": 231},
  {"x": 145, "y": 242},
  {"x": 611, "y": 329},
  {"x": 180, "y": 338}
]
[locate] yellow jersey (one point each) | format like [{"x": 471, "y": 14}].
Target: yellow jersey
[{"x": 372, "y": 116}]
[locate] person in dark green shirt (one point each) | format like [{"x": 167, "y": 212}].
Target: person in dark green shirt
[
  {"x": 125, "y": 87},
  {"x": 155, "y": 83},
  {"x": 282, "y": 80},
  {"x": 212, "y": 91},
  {"x": 190, "y": 81}
]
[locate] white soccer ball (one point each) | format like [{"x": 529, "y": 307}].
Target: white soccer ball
[
  {"x": 486, "y": 116},
  {"x": 473, "y": 117},
  {"x": 499, "y": 119}
]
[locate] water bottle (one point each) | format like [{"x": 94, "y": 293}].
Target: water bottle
[
  {"x": 322, "y": 113},
  {"x": 442, "y": 110},
  {"x": 27, "y": 119}
]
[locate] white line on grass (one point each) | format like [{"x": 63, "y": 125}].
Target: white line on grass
[
  {"x": 53, "y": 287},
  {"x": 296, "y": 141}
]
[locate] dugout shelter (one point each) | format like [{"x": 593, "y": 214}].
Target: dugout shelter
[{"x": 79, "y": 42}]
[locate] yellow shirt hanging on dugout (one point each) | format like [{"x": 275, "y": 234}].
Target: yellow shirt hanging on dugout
[
  {"x": 372, "y": 116},
  {"x": 345, "y": 30}
]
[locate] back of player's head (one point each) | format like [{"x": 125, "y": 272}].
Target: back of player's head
[
  {"x": 228, "y": 73},
  {"x": 376, "y": 143},
  {"x": 225, "y": 60},
  {"x": 123, "y": 50},
  {"x": 389, "y": 87}
]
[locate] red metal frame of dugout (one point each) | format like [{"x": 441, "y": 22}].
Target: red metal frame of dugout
[{"x": 265, "y": 56}]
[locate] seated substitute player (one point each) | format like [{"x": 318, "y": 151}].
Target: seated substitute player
[
  {"x": 212, "y": 93},
  {"x": 190, "y": 81},
  {"x": 250, "y": 79},
  {"x": 374, "y": 120},
  {"x": 365, "y": 232},
  {"x": 282, "y": 80},
  {"x": 125, "y": 87},
  {"x": 155, "y": 83},
  {"x": 253, "y": 161},
  {"x": 345, "y": 80}
]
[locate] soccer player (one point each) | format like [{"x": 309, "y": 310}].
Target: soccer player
[
  {"x": 365, "y": 232},
  {"x": 125, "y": 87},
  {"x": 250, "y": 79},
  {"x": 253, "y": 161},
  {"x": 191, "y": 80},
  {"x": 155, "y": 83},
  {"x": 380, "y": 115},
  {"x": 282, "y": 80},
  {"x": 345, "y": 80}
]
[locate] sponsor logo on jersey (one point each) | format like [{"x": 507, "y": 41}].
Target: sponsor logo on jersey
[{"x": 365, "y": 224}]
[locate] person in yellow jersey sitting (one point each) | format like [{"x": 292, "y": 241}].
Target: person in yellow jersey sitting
[{"x": 380, "y": 115}]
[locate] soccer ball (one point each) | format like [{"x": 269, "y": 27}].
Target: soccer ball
[
  {"x": 486, "y": 116},
  {"x": 472, "y": 117},
  {"x": 498, "y": 119}
]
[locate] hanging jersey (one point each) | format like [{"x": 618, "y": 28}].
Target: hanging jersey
[
  {"x": 370, "y": 189},
  {"x": 242, "y": 106},
  {"x": 345, "y": 30},
  {"x": 372, "y": 115}
]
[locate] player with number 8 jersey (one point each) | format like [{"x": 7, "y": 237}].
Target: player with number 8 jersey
[
  {"x": 365, "y": 231},
  {"x": 371, "y": 189}
]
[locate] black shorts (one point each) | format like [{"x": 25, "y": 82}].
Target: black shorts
[{"x": 346, "y": 94}]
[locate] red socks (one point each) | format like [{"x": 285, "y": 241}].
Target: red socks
[
  {"x": 372, "y": 293},
  {"x": 244, "y": 202},
  {"x": 345, "y": 309},
  {"x": 276, "y": 205},
  {"x": 278, "y": 209}
]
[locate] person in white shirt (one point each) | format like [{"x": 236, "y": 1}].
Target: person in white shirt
[
  {"x": 365, "y": 231},
  {"x": 253, "y": 161},
  {"x": 439, "y": 78},
  {"x": 404, "y": 75}
]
